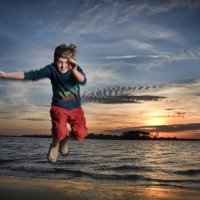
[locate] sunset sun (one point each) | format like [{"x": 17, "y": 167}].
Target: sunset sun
[{"x": 155, "y": 121}]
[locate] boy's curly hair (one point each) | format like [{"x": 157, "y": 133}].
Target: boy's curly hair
[{"x": 64, "y": 51}]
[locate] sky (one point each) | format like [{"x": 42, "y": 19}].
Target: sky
[{"x": 141, "y": 59}]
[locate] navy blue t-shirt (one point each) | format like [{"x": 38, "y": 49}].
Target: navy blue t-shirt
[{"x": 66, "y": 90}]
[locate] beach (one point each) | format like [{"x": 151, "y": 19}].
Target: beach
[{"x": 12, "y": 188}]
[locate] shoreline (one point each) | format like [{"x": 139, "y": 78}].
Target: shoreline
[
  {"x": 13, "y": 188},
  {"x": 97, "y": 137}
]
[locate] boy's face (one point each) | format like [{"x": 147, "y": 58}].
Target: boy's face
[{"x": 62, "y": 65}]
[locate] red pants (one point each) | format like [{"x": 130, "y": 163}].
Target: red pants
[{"x": 75, "y": 117}]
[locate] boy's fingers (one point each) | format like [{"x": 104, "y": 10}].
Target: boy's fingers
[
  {"x": 3, "y": 74},
  {"x": 72, "y": 60}
]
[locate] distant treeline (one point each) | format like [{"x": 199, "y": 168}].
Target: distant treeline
[
  {"x": 129, "y": 135},
  {"x": 37, "y": 136}
]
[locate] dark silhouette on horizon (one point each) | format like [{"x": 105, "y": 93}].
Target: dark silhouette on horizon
[{"x": 129, "y": 135}]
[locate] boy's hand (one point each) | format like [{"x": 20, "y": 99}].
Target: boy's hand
[
  {"x": 72, "y": 64},
  {"x": 3, "y": 74}
]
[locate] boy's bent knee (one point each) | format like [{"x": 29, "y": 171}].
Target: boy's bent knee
[
  {"x": 60, "y": 132},
  {"x": 80, "y": 139},
  {"x": 79, "y": 136}
]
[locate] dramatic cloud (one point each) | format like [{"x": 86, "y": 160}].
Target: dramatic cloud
[
  {"x": 174, "y": 127},
  {"x": 160, "y": 128},
  {"x": 117, "y": 95}
]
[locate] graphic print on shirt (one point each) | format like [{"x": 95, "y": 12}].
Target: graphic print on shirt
[{"x": 70, "y": 94}]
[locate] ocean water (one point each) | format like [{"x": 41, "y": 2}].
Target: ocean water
[{"x": 148, "y": 163}]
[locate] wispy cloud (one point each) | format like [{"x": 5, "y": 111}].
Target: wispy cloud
[
  {"x": 115, "y": 12},
  {"x": 121, "y": 57},
  {"x": 34, "y": 119},
  {"x": 168, "y": 5},
  {"x": 161, "y": 6},
  {"x": 91, "y": 17},
  {"x": 139, "y": 45},
  {"x": 185, "y": 54},
  {"x": 132, "y": 8}
]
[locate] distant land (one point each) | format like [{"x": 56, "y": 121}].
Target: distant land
[{"x": 129, "y": 135}]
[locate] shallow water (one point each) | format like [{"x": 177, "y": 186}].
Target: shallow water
[{"x": 140, "y": 163}]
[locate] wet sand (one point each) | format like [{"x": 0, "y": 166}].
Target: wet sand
[{"x": 12, "y": 188}]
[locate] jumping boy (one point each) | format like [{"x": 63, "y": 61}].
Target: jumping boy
[{"x": 65, "y": 76}]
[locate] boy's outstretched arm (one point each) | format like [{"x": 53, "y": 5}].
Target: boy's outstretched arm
[{"x": 12, "y": 75}]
